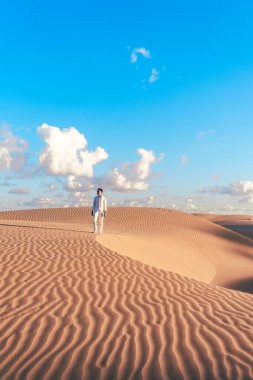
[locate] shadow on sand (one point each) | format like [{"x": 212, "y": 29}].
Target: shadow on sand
[{"x": 245, "y": 285}]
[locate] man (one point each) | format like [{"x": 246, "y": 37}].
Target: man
[{"x": 99, "y": 209}]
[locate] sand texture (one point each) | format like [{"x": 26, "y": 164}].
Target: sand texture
[{"x": 155, "y": 297}]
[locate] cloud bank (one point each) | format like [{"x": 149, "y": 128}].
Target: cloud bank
[{"x": 241, "y": 189}]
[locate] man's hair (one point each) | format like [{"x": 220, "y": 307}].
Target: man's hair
[{"x": 100, "y": 189}]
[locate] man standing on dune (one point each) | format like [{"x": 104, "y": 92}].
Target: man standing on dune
[{"x": 99, "y": 209}]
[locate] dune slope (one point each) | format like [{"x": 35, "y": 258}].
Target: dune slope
[{"x": 181, "y": 243}]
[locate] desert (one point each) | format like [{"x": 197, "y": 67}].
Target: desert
[{"x": 161, "y": 294}]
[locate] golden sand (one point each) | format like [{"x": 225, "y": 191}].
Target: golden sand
[{"x": 152, "y": 298}]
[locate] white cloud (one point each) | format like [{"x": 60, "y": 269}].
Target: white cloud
[
  {"x": 12, "y": 150},
  {"x": 78, "y": 199},
  {"x": 139, "y": 51},
  {"x": 135, "y": 176},
  {"x": 203, "y": 134},
  {"x": 75, "y": 184},
  {"x": 154, "y": 75},
  {"x": 241, "y": 189},
  {"x": 66, "y": 152},
  {"x": 143, "y": 165},
  {"x": 190, "y": 205},
  {"x": 150, "y": 199},
  {"x": 120, "y": 182}
]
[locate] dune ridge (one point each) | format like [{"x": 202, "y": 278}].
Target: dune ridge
[{"x": 73, "y": 309}]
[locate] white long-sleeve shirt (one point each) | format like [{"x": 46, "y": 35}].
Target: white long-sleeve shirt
[{"x": 99, "y": 204}]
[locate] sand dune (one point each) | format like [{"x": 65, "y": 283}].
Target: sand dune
[
  {"x": 73, "y": 309},
  {"x": 181, "y": 243},
  {"x": 242, "y": 224}
]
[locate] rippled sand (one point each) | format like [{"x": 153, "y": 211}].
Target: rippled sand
[{"x": 152, "y": 298}]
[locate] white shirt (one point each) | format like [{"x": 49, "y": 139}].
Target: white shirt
[{"x": 99, "y": 204}]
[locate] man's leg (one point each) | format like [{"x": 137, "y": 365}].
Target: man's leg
[
  {"x": 95, "y": 221},
  {"x": 101, "y": 222}
]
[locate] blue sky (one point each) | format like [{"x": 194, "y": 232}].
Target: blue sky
[{"x": 174, "y": 79}]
